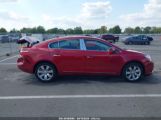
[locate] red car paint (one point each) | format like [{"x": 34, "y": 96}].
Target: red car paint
[{"x": 81, "y": 62}]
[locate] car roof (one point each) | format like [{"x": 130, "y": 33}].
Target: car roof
[
  {"x": 69, "y": 38},
  {"x": 74, "y": 37}
]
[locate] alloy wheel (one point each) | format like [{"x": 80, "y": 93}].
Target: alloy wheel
[
  {"x": 133, "y": 73},
  {"x": 45, "y": 72}
]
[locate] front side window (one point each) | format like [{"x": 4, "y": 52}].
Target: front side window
[
  {"x": 96, "y": 45},
  {"x": 139, "y": 37},
  {"x": 69, "y": 44},
  {"x": 144, "y": 37}
]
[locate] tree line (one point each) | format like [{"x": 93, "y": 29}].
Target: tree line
[{"x": 78, "y": 30}]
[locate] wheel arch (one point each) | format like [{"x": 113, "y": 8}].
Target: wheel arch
[
  {"x": 45, "y": 61},
  {"x": 134, "y": 61}
]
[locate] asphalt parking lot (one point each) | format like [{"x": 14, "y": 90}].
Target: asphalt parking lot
[{"x": 21, "y": 95}]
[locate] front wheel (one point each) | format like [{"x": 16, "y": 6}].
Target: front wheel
[
  {"x": 130, "y": 43},
  {"x": 133, "y": 72},
  {"x": 45, "y": 72}
]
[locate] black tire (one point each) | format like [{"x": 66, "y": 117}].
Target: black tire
[
  {"x": 48, "y": 75},
  {"x": 147, "y": 43},
  {"x": 138, "y": 74},
  {"x": 130, "y": 43}
]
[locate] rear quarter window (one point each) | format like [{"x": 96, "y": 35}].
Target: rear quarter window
[{"x": 54, "y": 45}]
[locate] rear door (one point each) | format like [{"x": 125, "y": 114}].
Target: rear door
[{"x": 68, "y": 56}]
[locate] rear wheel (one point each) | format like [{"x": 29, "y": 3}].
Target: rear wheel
[
  {"x": 133, "y": 72},
  {"x": 130, "y": 43},
  {"x": 45, "y": 72},
  {"x": 147, "y": 43}
]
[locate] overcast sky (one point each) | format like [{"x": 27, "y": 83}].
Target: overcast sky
[{"x": 85, "y": 13}]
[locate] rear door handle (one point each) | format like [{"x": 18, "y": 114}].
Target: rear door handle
[{"x": 56, "y": 55}]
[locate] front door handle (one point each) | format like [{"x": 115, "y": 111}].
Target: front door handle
[{"x": 89, "y": 57}]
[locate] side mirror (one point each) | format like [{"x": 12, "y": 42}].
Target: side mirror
[{"x": 112, "y": 51}]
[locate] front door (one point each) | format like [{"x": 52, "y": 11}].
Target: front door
[{"x": 97, "y": 57}]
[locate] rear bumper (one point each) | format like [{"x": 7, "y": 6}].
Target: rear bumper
[
  {"x": 24, "y": 65},
  {"x": 124, "y": 41}
]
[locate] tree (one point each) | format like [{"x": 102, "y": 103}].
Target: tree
[
  {"x": 129, "y": 30},
  {"x": 26, "y": 30},
  {"x": 61, "y": 31},
  {"x": 89, "y": 31},
  {"x": 156, "y": 30},
  {"x": 78, "y": 30},
  {"x": 3, "y": 30},
  {"x": 147, "y": 30},
  {"x": 40, "y": 29},
  {"x": 115, "y": 30},
  {"x": 137, "y": 30},
  {"x": 14, "y": 31},
  {"x": 96, "y": 31},
  {"x": 53, "y": 31},
  {"x": 33, "y": 30},
  {"x": 103, "y": 30},
  {"x": 69, "y": 31},
  {"x": 56, "y": 31}
]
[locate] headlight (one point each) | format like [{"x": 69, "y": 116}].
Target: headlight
[{"x": 148, "y": 57}]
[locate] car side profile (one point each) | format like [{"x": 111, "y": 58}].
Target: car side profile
[
  {"x": 82, "y": 55},
  {"x": 139, "y": 39}
]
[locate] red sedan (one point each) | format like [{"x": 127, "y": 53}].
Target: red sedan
[{"x": 82, "y": 55}]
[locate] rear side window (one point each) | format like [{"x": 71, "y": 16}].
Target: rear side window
[
  {"x": 54, "y": 45},
  {"x": 70, "y": 44}
]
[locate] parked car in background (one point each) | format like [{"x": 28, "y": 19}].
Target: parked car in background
[
  {"x": 139, "y": 39},
  {"x": 4, "y": 38},
  {"x": 82, "y": 55},
  {"x": 12, "y": 37},
  {"x": 149, "y": 37},
  {"x": 110, "y": 38}
]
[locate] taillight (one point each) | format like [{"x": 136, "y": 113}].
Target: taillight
[{"x": 24, "y": 50}]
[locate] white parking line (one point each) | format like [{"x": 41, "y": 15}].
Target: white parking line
[
  {"x": 8, "y": 63},
  {"x": 81, "y": 96},
  {"x": 8, "y": 58}
]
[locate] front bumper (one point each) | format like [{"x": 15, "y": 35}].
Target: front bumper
[{"x": 149, "y": 67}]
